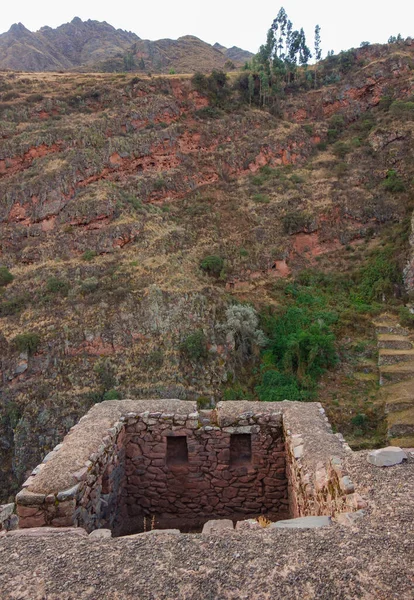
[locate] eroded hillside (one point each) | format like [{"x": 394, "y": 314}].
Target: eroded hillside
[{"x": 113, "y": 189}]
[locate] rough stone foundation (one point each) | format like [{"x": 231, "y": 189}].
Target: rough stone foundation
[{"x": 132, "y": 466}]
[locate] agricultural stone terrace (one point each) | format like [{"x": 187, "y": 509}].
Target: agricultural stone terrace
[{"x": 132, "y": 465}]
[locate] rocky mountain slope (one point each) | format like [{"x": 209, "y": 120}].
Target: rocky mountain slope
[
  {"x": 93, "y": 45},
  {"x": 68, "y": 46},
  {"x": 188, "y": 54},
  {"x": 237, "y": 55},
  {"x": 115, "y": 188}
]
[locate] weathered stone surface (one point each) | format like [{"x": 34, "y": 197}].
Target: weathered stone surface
[
  {"x": 157, "y": 532},
  {"x": 6, "y": 510},
  {"x": 132, "y": 482},
  {"x": 68, "y": 494},
  {"x": 27, "y": 498},
  {"x": 302, "y": 523},
  {"x": 100, "y": 534},
  {"x": 48, "y": 531},
  {"x": 217, "y": 526},
  {"x": 387, "y": 457},
  {"x": 247, "y": 525},
  {"x": 350, "y": 518}
]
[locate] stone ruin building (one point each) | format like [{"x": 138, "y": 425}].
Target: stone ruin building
[{"x": 136, "y": 465}]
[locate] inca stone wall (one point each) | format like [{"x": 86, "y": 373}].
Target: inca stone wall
[
  {"x": 213, "y": 478},
  {"x": 135, "y": 465}
]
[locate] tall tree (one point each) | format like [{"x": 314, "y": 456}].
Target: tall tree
[
  {"x": 304, "y": 52},
  {"x": 318, "y": 50}
]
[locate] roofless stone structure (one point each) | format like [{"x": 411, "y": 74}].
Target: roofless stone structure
[{"x": 135, "y": 465}]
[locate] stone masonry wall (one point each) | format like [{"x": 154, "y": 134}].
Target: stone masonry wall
[
  {"x": 206, "y": 485},
  {"x": 317, "y": 487},
  {"x": 113, "y": 470}
]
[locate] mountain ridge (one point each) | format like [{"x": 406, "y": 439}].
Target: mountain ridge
[{"x": 98, "y": 46}]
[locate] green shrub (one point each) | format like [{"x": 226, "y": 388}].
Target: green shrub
[
  {"x": 378, "y": 278},
  {"x": 340, "y": 149},
  {"x": 403, "y": 109},
  {"x": 406, "y": 317},
  {"x": 340, "y": 169},
  {"x": 385, "y": 103},
  {"x": 261, "y": 198},
  {"x": 194, "y": 346},
  {"x": 213, "y": 265},
  {"x": 393, "y": 182},
  {"x": 12, "y": 306},
  {"x": 112, "y": 395},
  {"x": 208, "y": 112},
  {"x": 337, "y": 122},
  {"x": 199, "y": 82},
  {"x": 159, "y": 183},
  {"x": 237, "y": 392},
  {"x": 5, "y": 276},
  {"x": 26, "y": 342},
  {"x": 88, "y": 255},
  {"x": 55, "y": 285},
  {"x": 332, "y": 135},
  {"x": 153, "y": 360},
  {"x": 276, "y": 387},
  {"x": 89, "y": 285},
  {"x": 295, "y": 221},
  {"x": 34, "y": 98},
  {"x": 105, "y": 372}
]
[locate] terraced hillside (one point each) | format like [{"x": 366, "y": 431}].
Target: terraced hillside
[
  {"x": 396, "y": 367},
  {"x": 116, "y": 192}
]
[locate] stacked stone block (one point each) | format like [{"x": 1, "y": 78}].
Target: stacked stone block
[
  {"x": 208, "y": 485},
  {"x": 113, "y": 470}
]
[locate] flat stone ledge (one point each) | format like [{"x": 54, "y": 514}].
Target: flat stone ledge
[
  {"x": 156, "y": 532},
  {"x": 302, "y": 523},
  {"x": 387, "y": 457},
  {"x": 47, "y": 531}
]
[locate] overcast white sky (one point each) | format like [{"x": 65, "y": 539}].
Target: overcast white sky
[{"x": 231, "y": 22}]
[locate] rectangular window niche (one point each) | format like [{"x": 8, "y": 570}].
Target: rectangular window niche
[
  {"x": 240, "y": 449},
  {"x": 177, "y": 451}
]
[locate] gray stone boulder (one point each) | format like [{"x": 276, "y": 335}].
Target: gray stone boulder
[
  {"x": 302, "y": 523},
  {"x": 217, "y": 526},
  {"x": 387, "y": 457},
  {"x": 100, "y": 534}
]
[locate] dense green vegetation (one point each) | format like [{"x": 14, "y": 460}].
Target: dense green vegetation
[
  {"x": 300, "y": 348},
  {"x": 5, "y": 276},
  {"x": 194, "y": 345},
  {"x": 315, "y": 309},
  {"x": 212, "y": 265},
  {"x": 27, "y": 342}
]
